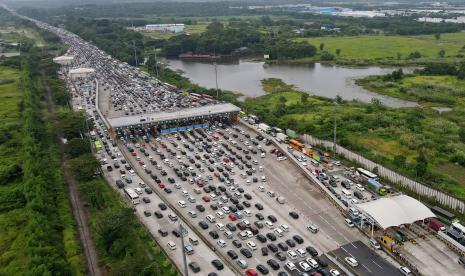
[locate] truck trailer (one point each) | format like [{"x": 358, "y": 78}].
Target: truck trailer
[{"x": 264, "y": 127}]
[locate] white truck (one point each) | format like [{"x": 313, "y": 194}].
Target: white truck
[
  {"x": 281, "y": 137},
  {"x": 264, "y": 127}
]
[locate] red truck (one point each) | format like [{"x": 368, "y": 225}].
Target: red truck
[{"x": 436, "y": 225}]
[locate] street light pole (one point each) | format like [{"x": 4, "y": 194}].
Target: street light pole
[
  {"x": 335, "y": 129},
  {"x": 216, "y": 81},
  {"x": 184, "y": 257}
]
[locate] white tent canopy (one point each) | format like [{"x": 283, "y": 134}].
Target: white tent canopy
[{"x": 396, "y": 210}]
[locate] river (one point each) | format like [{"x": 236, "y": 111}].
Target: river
[{"x": 317, "y": 79}]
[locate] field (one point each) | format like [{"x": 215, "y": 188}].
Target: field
[
  {"x": 392, "y": 137},
  {"x": 428, "y": 90},
  {"x": 14, "y": 35},
  {"x": 373, "y": 49}
]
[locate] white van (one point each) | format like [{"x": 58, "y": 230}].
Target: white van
[
  {"x": 193, "y": 240},
  {"x": 182, "y": 204},
  {"x": 346, "y": 193},
  {"x": 171, "y": 245},
  {"x": 211, "y": 219},
  {"x": 349, "y": 223}
]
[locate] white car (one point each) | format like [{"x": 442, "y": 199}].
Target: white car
[
  {"x": 221, "y": 243},
  {"x": 359, "y": 187},
  {"x": 312, "y": 262},
  {"x": 301, "y": 252},
  {"x": 334, "y": 272},
  {"x": 269, "y": 224},
  {"x": 292, "y": 255},
  {"x": 261, "y": 188},
  {"x": 262, "y": 155},
  {"x": 192, "y": 214},
  {"x": 351, "y": 261},
  {"x": 282, "y": 158},
  {"x": 220, "y": 214},
  {"x": 220, "y": 226},
  {"x": 284, "y": 227},
  {"x": 182, "y": 204},
  {"x": 405, "y": 271},
  {"x": 291, "y": 266},
  {"x": 252, "y": 245},
  {"x": 305, "y": 266},
  {"x": 247, "y": 213}
]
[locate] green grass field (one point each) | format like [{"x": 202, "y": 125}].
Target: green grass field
[
  {"x": 190, "y": 29},
  {"x": 376, "y": 48}
]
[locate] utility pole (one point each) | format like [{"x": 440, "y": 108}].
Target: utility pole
[
  {"x": 135, "y": 52},
  {"x": 156, "y": 63},
  {"x": 184, "y": 258},
  {"x": 335, "y": 129},
  {"x": 216, "y": 81}
]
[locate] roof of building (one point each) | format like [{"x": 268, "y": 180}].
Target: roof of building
[
  {"x": 195, "y": 112},
  {"x": 63, "y": 58},
  {"x": 396, "y": 210},
  {"x": 81, "y": 70}
]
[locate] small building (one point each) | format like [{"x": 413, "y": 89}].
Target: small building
[
  {"x": 63, "y": 60},
  {"x": 166, "y": 28},
  {"x": 80, "y": 72}
]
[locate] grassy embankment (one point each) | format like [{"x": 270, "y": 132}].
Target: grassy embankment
[
  {"x": 392, "y": 137},
  {"x": 389, "y": 50}
]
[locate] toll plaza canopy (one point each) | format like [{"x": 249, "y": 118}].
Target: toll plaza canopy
[
  {"x": 207, "y": 111},
  {"x": 396, "y": 210}
]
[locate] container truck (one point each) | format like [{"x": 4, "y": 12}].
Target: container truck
[
  {"x": 436, "y": 225},
  {"x": 308, "y": 152},
  {"x": 264, "y": 127},
  {"x": 296, "y": 144}
]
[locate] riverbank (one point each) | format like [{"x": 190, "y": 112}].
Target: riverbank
[{"x": 396, "y": 138}]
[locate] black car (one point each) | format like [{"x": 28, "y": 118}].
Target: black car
[
  {"x": 312, "y": 251},
  {"x": 158, "y": 214},
  {"x": 246, "y": 203},
  {"x": 261, "y": 238},
  {"x": 264, "y": 251},
  {"x": 283, "y": 246},
  {"x": 247, "y": 196},
  {"x": 271, "y": 236},
  {"x": 294, "y": 215},
  {"x": 258, "y": 224},
  {"x": 200, "y": 208},
  {"x": 237, "y": 243},
  {"x": 148, "y": 190},
  {"x": 176, "y": 233},
  {"x": 273, "y": 264},
  {"x": 273, "y": 247},
  {"x": 147, "y": 213},
  {"x": 272, "y": 218},
  {"x": 281, "y": 256},
  {"x": 246, "y": 252},
  {"x": 298, "y": 239},
  {"x": 162, "y": 206},
  {"x": 232, "y": 254},
  {"x": 231, "y": 227},
  {"x": 168, "y": 190},
  {"x": 217, "y": 264},
  {"x": 321, "y": 261},
  {"x": 163, "y": 232},
  {"x": 146, "y": 199},
  {"x": 263, "y": 270},
  {"x": 203, "y": 225},
  {"x": 290, "y": 242},
  {"x": 194, "y": 266},
  {"x": 213, "y": 234},
  {"x": 283, "y": 273},
  {"x": 258, "y": 206}
]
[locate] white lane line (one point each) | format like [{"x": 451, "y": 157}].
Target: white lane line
[
  {"x": 377, "y": 264},
  {"x": 367, "y": 269}
]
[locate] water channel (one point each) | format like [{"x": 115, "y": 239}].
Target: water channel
[{"x": 317, "y": 79}]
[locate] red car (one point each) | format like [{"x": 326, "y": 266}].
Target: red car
[
  {"x": 206, "y": 198},
  {"x": 217, "y": 174},
  {"x": 200, "y": 183},
  {"x": 161, "y": 185},
  {"x": 133, "y": 153},
  {"x": 232, "y": 217},
  {"x": 251, "y": 272},
  {"x": 141, "y": 163},
  {"x": 309, "y": 169},
  {"x": 226, "y": 160}
]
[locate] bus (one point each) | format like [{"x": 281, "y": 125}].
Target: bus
[
  {"x": 443, "y": 215},
  {"x": 366, "y": 174},
  {"x": 458, "y": 228},
  {"x": 132, "y": 196}
]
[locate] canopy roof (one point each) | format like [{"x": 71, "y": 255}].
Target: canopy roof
[
  {"x": 81, "y": 70},
  {"x": 396, "y": 210}
]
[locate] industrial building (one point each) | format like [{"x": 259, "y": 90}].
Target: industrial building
[{"x": 167, "y": 28}]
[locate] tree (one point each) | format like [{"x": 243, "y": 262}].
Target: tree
[
  {"x": 304, "y": 98},
  {"x": 441, "y": 53},
  {"x": 462, "y": 134},
  {"x": 327, "y": 56},
  {"x": 84, "y": 166},
  {"x": 322, "y": 46},
  {"x": 400, "y": 161},
  {"x": 422, "y": 164},
  {"x": 338, "y": 52},
  {"x": 76, "y": 147},
  {"x": 437, "y": 36},
  {"x": 282, "y": 100},
  {"x": 339, "y": 99}
]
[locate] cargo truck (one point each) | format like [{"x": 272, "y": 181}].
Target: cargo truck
[
  {"x": 296, "y": 144},
  {"x": 374, "y": 185},
  {"x": 436, "y": 225},
  {"x": 281, "y": 137},
  {"x": 308, "y": 152},
  {"x": 388, "y": 243},
  {"x": 264, "y": 127}
]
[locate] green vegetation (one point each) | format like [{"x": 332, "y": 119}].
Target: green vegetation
[
  {"x": 417, "y": 142},
  {"x": 395, "y": 49}
]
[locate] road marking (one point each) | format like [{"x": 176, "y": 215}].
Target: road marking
[
  {"x": 377, "y": 264},
  {"x": 367, "y": 269}
]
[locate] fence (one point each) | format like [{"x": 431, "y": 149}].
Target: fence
[{"x": 394, "y": 177}]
